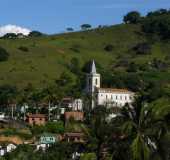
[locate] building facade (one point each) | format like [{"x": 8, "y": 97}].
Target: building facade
[
  {"x": 36, "y": 119},
  {"x": 75, "y": 115},
  {"x": 106, "y": 96},
  {"x": 76, "y": 105}
]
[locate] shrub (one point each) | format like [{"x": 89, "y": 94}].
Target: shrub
[
  {"x": 35, "y": 34},
  {"x": 4, "y": 55},
  {"x": 24, "y": 49},
  {"x": 132, "y": 17},
  {"x": 108, "y": 48},
  {"x": 75, "y": 48},
  {"x": 142, "y": 48},
  {"x": 10, "y": 36},
  {"x": 55, "y": 127}
]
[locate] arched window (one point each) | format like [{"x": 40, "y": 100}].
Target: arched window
[
  {"x": 89, "y": 81},
  {"x": 96, "y": 81}
]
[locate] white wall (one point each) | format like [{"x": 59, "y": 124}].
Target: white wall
[
  {"x": 76, "y": 105},
  {"x": 119, "y": 99}
]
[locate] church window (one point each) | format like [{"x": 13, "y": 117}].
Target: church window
[
  {"x": 89, "y": 81},
  {"x": 96, "y": 81}
]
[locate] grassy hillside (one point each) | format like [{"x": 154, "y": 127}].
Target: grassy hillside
[{"x": 47, "y": 56}]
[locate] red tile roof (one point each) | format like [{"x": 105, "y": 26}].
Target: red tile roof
[
  {"x": 115, "y": 90},
  {"x": 36, "y": 115}
]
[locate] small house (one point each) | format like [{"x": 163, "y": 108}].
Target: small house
[
  {"x": 36, "y": 119},
  {"x": 46, "y": 140},
  {"x": 77, "y": 116},
  {"x": 75, "y": 137},
  {"x": 10, "y": 147}
]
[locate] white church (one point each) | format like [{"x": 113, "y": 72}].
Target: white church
[{"x": 106, "y": 96}]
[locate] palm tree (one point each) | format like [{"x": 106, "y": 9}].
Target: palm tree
[{"x": 144, "y": 128}]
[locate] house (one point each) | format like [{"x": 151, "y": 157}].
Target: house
[
  {"x": 7, "y": 149},
  {"x": 66, "y": 101},
  {"x": 72, "y": 104},
  {"x": 74, "y": 137},
  {"x": 106, "y": 96},
  {"x": 2, "y": 151},
  {"x": 36, "y": 119},
  {"x": 2, "y": 116},
  {"x": 76, "y": 105},
  {"x": 77, "y": 116},
  {"x": 10, "y": 147},
  {"x": 46, "y": 140}
]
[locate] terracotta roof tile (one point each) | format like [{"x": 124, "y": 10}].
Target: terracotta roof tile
[
  {"x": 115, "y": 90},
  {"x": 36, "y": 115}
]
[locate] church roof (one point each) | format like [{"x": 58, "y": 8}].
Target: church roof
[
  {"x": 93, "y": 67},
  {"x": 115, "y": 90}
]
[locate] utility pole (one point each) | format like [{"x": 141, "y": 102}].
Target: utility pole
[
  {"x": 12, "y": 112},
  {"x": 49, "y": 107}
]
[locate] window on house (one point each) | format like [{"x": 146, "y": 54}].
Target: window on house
[
  {"x": 116, "y": 97},
  {"x": 125, "y": 98},
  {"x": 106, "y": 96},
  {"x": 121, "y": 97}
]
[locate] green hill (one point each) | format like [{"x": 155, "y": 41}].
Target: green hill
[{"x": 48, "y": 56}]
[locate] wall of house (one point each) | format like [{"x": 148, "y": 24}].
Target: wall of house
[{"x": 36, "y": 121}]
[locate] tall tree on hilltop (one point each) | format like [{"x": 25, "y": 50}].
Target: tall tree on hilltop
[{"x": 132, "y": 17}]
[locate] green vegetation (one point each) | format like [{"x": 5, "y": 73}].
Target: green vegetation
[
  {"x": 134, "y": 55},
  {"x": 50, "y": 127}
]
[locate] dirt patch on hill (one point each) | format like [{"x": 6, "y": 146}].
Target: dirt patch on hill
[{"x": 11, "y": 139}]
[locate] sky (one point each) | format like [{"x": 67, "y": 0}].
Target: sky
[{"x": 54, "y": 16}]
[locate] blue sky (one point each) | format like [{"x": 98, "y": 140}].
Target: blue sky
[{"x": 53, "y": 16}]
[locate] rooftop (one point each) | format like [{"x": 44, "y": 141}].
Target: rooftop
[
  {"x": 36, "y": 115},
  {"x": 74, "y": 134},
  {"x": 115, "y": 90}
]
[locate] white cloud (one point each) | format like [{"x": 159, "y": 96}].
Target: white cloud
[{"x": 13, "y": 29}]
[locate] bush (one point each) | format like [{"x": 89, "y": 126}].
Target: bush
[
  {"x": 4, "y": 55},
  {"x": 142, "y": 48},
  {"x": 132, "y": 17},
  {"x": 10, "y": 36},
  {"x": 108, "y": 48},
  {"x": 35, "y": 34},
  {"x": 24, "y": 49}
]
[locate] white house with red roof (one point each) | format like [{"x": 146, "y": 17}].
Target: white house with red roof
[{"x": 106, "y": 96}]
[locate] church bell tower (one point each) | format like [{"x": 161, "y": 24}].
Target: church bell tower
[{"x": 92, "y": 82}]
